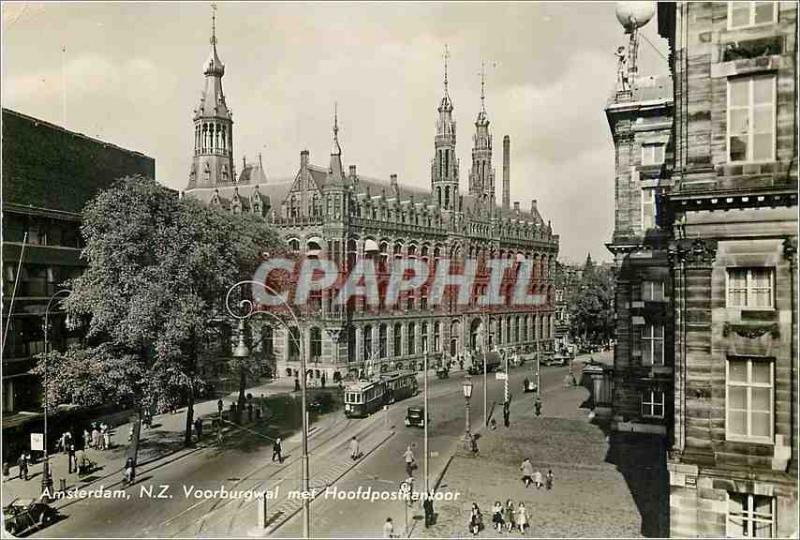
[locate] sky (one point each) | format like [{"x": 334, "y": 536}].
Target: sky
[{"x": 131, "y": 74}]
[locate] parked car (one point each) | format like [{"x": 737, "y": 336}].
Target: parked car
[
  {"x": 26, "y": 516},
  {"x": 557, "y": 360},
  {"x": 415, "y": 417}
]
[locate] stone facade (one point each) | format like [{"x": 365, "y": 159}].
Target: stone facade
[
  {"x": 640, "y": 118},
  {"x": 732, "y": 218},
  {"x": 323, "y": 211}
]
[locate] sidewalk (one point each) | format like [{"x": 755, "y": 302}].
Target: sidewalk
[
  {"x": 591, "y": 496},
  {"x": 164, "y": 439}
]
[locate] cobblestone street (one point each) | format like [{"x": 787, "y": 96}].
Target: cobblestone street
[{"x": 591, "y": 496}]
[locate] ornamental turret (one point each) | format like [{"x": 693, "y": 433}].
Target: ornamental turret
[{"x": 444, "y": 166}]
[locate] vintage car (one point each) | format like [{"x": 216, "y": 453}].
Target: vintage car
[
  {"x": 443, "y": 373},
  {"x": 415, "y": 417},
  {"x": 23, "y": 517},
  {"x": 529, "y": 385},
  {"x": 556, "y": 360}
]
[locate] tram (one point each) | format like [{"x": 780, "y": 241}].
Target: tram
[
  {"x": 365, "y": 397},
  {"x": 400, "y": 385}
]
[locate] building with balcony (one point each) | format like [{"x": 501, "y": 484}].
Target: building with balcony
[
  {"x": 49, "y": 174},
  {"x": 731, "y": 214}
]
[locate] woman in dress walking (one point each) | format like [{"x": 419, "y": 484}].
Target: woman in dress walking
[
  {"x": 508, "y": 515},
  {"x": 475, "y": 520},
  {"x": 522, "y": 518},
  {"x": 497, "y": 516}
]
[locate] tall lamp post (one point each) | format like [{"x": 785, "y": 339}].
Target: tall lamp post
[
  {"x": 47, "y": 479},
  {"x": 425, "y": 422},
  {"x": 466, "y": 386},
  {"x": 251, "y": 310}
]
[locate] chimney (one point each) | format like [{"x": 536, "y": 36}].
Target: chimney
[
  {"x": 352, "y": 172},
  {"x": 533, "y": 206},
  {"x": 506, "y": 171},
  {"x": 304, "y": 159},
  {"x": 516, "y": 207}
]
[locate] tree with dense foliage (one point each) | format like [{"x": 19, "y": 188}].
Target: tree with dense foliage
[
  {"x": 159, "y": 267},
  {"x": 591, "y": 305}
]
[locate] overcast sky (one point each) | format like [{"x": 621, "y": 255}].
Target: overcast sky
[{"x": 132, "y": 74}]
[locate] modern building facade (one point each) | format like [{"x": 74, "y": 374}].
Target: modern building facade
[
  {"x": 340, "y": 214},
  {"x": 49, "y": 174},
  {"x": 732, "y": 217}
]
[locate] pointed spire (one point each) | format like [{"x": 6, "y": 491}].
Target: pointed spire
[
  {"x": 483, "y": 95},
  {"x": 213, "y": 23},
  {"x": 446, "y": 56},
  {"x": 214, "y": 65},
  {"x": 336, "y": 150}
]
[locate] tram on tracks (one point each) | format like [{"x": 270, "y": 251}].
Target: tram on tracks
[{"x": 363, "y": 398}]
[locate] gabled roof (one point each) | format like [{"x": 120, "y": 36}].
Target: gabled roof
[
  {"x": 272, "y": 193},
  {"x": 252, "y": 173}
]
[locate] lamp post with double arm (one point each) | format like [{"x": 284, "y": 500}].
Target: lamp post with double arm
[{"x": 250, "y": 310}]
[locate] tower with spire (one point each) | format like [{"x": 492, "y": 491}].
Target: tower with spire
[
  {"x": 212, "y": 163},
  {"x": 481, "y": 176},
  {"x": 444, "y": 166},
  {"x": 335, "y": 187}
]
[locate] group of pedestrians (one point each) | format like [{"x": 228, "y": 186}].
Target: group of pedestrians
[
  {"x": 531, "y": 476},
  {"x": 99, "y": 438},
  {"x": 508, "y": 517}
]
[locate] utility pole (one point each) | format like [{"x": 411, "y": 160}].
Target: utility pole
[
  {"x": 485, "y": 394},
  {"x": 425, "y": 423},
  {"x": 505, "y": 385}
]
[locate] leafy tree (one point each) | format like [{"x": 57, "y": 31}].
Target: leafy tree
[
  {"x": 591, "y": 305},
  {"x": 158, "y": 270}
]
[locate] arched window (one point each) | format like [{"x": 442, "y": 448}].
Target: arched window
[
  {"x": 367, "y": 342},
  {"x": 352, "y": 251},
  {"x": 316, "y": 344},
  {"x": 410, "y": 339},
  {"x": 294, "y": 343},
  {"x": 351, "y": 344},
  {"x": 424, "y": 337},
  {"x": 382, "y": 351},
  {"x": 398, "y": 339},
  {"x": 294, "y": 245}
]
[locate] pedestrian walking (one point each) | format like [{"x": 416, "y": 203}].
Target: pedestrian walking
[
  {"x": 427, "y": 506},
  {"x": 198, "y": 428},
  {"x": 548, "y": 479},
  {"x": 537, "y": 479},
  {"x": 527, "y": 472},
  {"x": 508, "y": 515},
  {"x": 22, "y": 462},
  {"x": 106, "y": 436},
  {"x": 388, "y": 528},
  {"x": 276, "y": 450},
  {"x": 492, "y": 424},
  {"x": 497, "y": 516},
  {"x": 408, "y": 457},
  {"x": 323, "y": 380},
  {"x": 537, "y": 406},
  {"x": 72, "y": 459},
  {"x": 250, "y": 411},
  {"x": 522, "y": 518},
  {"x": 130, "y": 471},
  {"x": 87, "y": 439},
  {"x": 355, "y": 452},
  {"x": 95, "y": 437},
  {"x": 473, "y": 444},
  {"x": 83, "y": 463},
  {"x": 475, "y": 520},
  {"x": 130, "y": 433},
  {"x": 296, "y": 385}
]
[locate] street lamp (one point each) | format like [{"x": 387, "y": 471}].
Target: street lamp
[
  {"x": 47, "y": 479},
  {"x": 240, "y": 353},
  {"x": 466, "y": 386},
  {"x": 425, "y": 421},
  {"x": 251, "y": 310}
]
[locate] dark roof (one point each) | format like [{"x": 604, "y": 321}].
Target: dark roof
[
  {"x": 252, "y": 173},
  {"x": 47, "y": 166},
  {"x": 273, "y": 192}
]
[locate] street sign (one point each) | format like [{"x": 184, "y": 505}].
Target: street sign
[
  {"x": 500, "y": 376},
  {"x": 37, "y": 442}
]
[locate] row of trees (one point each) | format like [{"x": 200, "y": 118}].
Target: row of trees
[{"x": 152, "y": 295}]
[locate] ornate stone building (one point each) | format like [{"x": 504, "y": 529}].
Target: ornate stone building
[
  {"x": 732, "y": 216},
  {"x": 343, "y": 215},
  {"x": 724, "y": 244}
]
